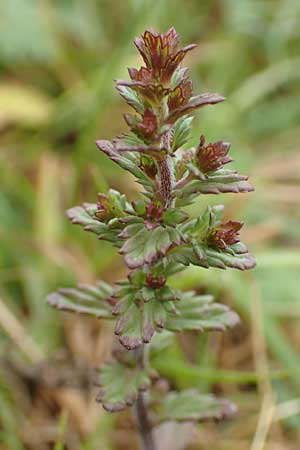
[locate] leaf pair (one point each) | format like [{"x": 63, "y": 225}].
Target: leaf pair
[
  {"x": 120, "y": 386},
  {"x": 141, "y": 311}
]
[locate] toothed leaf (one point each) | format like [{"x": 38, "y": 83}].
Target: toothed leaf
[
  {"x": 84, "y": 299},
  {"x": 190, "y": 405},
  {"x": 145, "y": 246},
  {"x": 173, "y": 216},
  {"x": 181, "y": 134},
  {"x": 194, "y": 103},
  {"x": 203, "y": 256},
  {"x": 131, "y": 97},
  {"x": 120, "y": 385},
  {"x": 212, "y": 185},
  {"x": 126, "y": 161},
  {"x": 200, "y": 313},
  {"x": 141, "y": 312},
  {"x": 86, "y": 217}
]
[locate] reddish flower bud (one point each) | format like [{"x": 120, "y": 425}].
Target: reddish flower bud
[
  {"x": 212, "y": 156},
  {"x": 143, "y": 74},
  {"x": 103, "y": 210},
  {"x": 145, "y": 128},
  {"x": 151, "y": 91},
  {"x": 148, "y": 165},
  {"x": 148, "y": 126},
  {"x": 155, "y": 282},
  {"x": 180, "y": 95},
  {"x": 161, "y": 52},
  {"x": 226, "y": 234},
  {"x": 154, "y": 214}
]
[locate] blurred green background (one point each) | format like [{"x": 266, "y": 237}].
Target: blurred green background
[{"x": 58, "y": 60}]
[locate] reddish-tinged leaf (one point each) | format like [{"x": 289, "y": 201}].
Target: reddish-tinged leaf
[
  {"x": 194, "y": 103},
  {"x": 141, "y": 311},
  {"x": 180, "y": 95},
  {"x": 153, "y": 93},
  {"x": 174, "y": 62},
  {"x": 143, "y": 74},
  {"x": 200, "y": 313},
  {"x": 145, "y": 128},
  {"x": 92, "y": 300},
  {"x": 147, "y": 245},
  {"x": 120, "y": 385},
  {"x": 125, "y": 162}
]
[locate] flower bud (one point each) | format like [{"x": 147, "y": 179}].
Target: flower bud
[
  {"x": 226, "y": 234},
  {"x": 212, "y": 156},
  {"x": 155, "y": 282}
]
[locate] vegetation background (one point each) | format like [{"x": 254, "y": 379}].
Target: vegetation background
[{"x": 58, "y": 60}]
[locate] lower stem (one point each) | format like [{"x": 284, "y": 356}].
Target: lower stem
[{"x": 141, "y": 411}]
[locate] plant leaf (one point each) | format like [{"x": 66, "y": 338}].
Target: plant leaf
[
  {"x": 120, "y": 385},
  {"x": 85, "y": 299},
  {"x": 173, "y": 216},
  {"x": 131, "y": 97},
  {"x": 209, "y": 257},
  {"x": 141, "y": 312},
  {"x": 85, "y": 216},
  {"x": 182, "y": 129},
  {"x": 200, "y": 313},
  {"x": 197, "y": 249},
  {"x": 126, "y": 161},
  {"x": 190, "y": 405},
  {"x": 213, "y": 185},
  {"x": 144, "y": 246},
  {"x": 194, "y": 103}
]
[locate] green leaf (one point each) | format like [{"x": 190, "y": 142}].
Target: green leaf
[
  {"x": 182, "y": 130},
  {"x": 131, "y": 139},
  {"x": 120, "y": 385},
  {"x": 200, "y": 226},
  {"x": 137, "y": 324},
  {"x": 131, "y": 97},
  {"x": 127, "y": 161},
  {"x": 85, "y": 299},
  {"x": 190, "y": 405},
  {"x": 82, "y": 216},
  {"x": 211, "y": 186},
  {"x": 173, "y": 216},
  {"x": 141, "y": 312},
  {"x": 178, "y": 76},
  {"x": 200, "y": 313},
  {"x": 241, "y": 261},
  {"x": 194, "y": 103},
  {"x": 144, "y": 246},
  {"x": 130, "y": 325},
  {"x": 85, "y": 216},
  {"x": 209, "y": 257}
]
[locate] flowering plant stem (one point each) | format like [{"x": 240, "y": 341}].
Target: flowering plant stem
[
  {"x": 158, "y": 239},
  {"x": 141, "y": 409}
]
